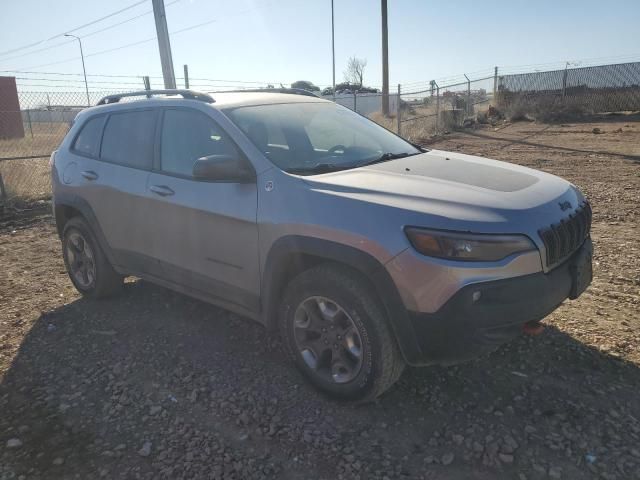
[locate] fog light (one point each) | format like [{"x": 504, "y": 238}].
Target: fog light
[{"x": 476, "y": 296}]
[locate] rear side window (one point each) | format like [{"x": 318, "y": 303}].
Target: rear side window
[
  {"x": 128, "y": 139},
  {"x": 88, "y": 139}
]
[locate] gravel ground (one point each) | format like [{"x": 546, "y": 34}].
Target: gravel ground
[{"x": 153, "y": 384}]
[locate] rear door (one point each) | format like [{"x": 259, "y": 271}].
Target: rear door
[
  {"x": 126, "y": 157},
  {"x": 204, "y": 232},
  {"x": 79, "y": 171}
]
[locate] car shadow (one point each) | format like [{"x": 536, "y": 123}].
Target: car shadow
[{"x": 94, "y": 380}]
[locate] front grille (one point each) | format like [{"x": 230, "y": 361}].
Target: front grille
[{"x": 562, "y": 239}]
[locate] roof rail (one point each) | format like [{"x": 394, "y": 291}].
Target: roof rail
[
  {"x": 189, "y": 94},
  {"x": 293, "y": 91}
]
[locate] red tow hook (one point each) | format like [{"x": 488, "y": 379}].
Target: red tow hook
[{"x": 533, "y": 328}]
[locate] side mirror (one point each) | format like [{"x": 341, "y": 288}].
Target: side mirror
[{"x": 222, "y": 167}]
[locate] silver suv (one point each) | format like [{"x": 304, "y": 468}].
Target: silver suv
[{"x": 366, "y": 251}]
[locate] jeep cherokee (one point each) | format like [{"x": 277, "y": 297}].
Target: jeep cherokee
[{"x": 366, "y": 251}]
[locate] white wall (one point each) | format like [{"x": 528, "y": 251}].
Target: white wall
[{"x": 365, "y": 103}]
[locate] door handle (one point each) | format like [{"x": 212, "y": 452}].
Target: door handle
[
  {"x": 89, "y": 175},
  {"x": 161, "y": 190}
]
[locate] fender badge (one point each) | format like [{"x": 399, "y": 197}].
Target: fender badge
[
  {"x": 564, "y": 206},
  {"x": 268, "y": 186}
]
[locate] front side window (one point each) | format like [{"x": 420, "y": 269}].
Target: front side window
[
  {"x": 186, "y": 137},
  {"x": 87, "y": 141},
  {"x": 307, "y": 138},
  {"x": 128, "y": 139}
]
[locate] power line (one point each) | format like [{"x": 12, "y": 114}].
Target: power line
[
  {"x": 109, "y": 27},
  {"x": 132, "y": 76},
  {"x": 37, "y": 51},
  {"x": 126, "y": 21},
  {"x": 140, "y": 2},
  {"x": 72, "y": 74},
  {"x": 132, "y": 44}
]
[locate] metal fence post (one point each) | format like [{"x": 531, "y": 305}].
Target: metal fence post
[
  {"x": 399, "y": 112},
  {"x": 469, "y": 112},
  {"x": 3, "y": 191},
  {"x": 495, "y": 86},
  {"x": 147, "y": 84},
  {"x": 437, "y": 106},
  {"x": 29, "y": 120}
]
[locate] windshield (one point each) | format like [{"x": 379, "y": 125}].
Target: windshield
[{"x": 308, "y": 138}]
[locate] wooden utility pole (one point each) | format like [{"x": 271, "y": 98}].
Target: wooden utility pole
[
  {"x": 385, "y": 60},
  {"x": 164, "y": 44}
]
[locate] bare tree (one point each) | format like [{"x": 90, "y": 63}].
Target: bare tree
[{"x": 354, "y": 72}]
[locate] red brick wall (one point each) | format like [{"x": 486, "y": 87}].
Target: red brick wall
[{"x": 10, "y": 117}]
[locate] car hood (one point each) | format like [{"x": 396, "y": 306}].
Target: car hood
[{"x": 452, "y": 186}]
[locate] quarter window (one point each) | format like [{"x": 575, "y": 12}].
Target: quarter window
[
  {"x": 128, "y": 139},
  {"x": 188, "y": 136},
  {"x": 87, "y": 141}
]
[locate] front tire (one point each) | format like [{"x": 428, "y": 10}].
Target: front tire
[
  {"x": 336, "y": 331},
  {"x": 87, "y": 265}
]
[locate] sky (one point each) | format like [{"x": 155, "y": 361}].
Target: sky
[{"x": 280, "y": 41}]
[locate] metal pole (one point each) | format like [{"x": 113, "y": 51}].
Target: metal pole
[
  {"x": 164, "y": 45},
  {"x": 468, "y": 95},
  {"x": 495, "y": 86},
  {"x": 355, "y": 102},
  {"x": 147, "y": 84},
  {"x": 564, "y": 80},
  {"x": 3, "y": 190},
  {"x": 437, "y": 106},
  {"x": 399, "y": 112},
  {"x": 333, "y": 52},
  {"x": 29, "y": 120},
  {"x": 186, "y": 77},
  {"x": 84, "y": 70},
  {"x": 385, "y": 59}
]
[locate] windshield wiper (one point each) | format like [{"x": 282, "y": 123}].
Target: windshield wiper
[
  {"x": 385, "y": 157},
  {"x": 319, "y": 168}
]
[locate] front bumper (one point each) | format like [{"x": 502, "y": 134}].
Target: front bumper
[{"x": 482, "y": 316}]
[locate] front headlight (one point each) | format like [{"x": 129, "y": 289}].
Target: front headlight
[{"x": 467, "y": 247}]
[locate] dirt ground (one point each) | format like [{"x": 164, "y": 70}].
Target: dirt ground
[{"x": 153, "y": 384}]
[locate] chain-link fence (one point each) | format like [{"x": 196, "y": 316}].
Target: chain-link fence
[
  {"x": 571, "y": 91},
  {"x": 433, "y": 109},
  {"x": 28, "y": 136},
  {"x": 35, "y": 126}
]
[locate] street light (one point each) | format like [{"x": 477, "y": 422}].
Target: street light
[
  {"x": 84, "y": 70},
  {"x": 333, "y": 52}
]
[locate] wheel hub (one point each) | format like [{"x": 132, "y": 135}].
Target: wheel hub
[
  {"x": 327, "y": 339},
  {"x": 81, "y": 260}
]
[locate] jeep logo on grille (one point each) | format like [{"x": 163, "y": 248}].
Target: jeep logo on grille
[{"x": 564, "y": 206}]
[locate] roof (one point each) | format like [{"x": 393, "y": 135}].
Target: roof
[
  {"x": 245, "y": 99},
  {"x": 221, "y": 100}
]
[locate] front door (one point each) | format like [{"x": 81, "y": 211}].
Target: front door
[{"x": 205, "y": 234}]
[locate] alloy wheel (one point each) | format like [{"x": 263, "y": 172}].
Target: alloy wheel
[
  {"x": 328, "y": 340},
  {"x": 81, "y": 260}
]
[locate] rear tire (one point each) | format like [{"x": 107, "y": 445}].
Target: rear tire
[
  {"x": 87, "y": 265},
  {"x": 336, "y": 331}
]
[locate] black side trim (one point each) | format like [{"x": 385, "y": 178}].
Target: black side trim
[
  {"x": 288, "y": 255},
  {"x": 217, "y": 291}
]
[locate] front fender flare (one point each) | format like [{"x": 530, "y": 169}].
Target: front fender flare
[{"x": 293, "y": 247}]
